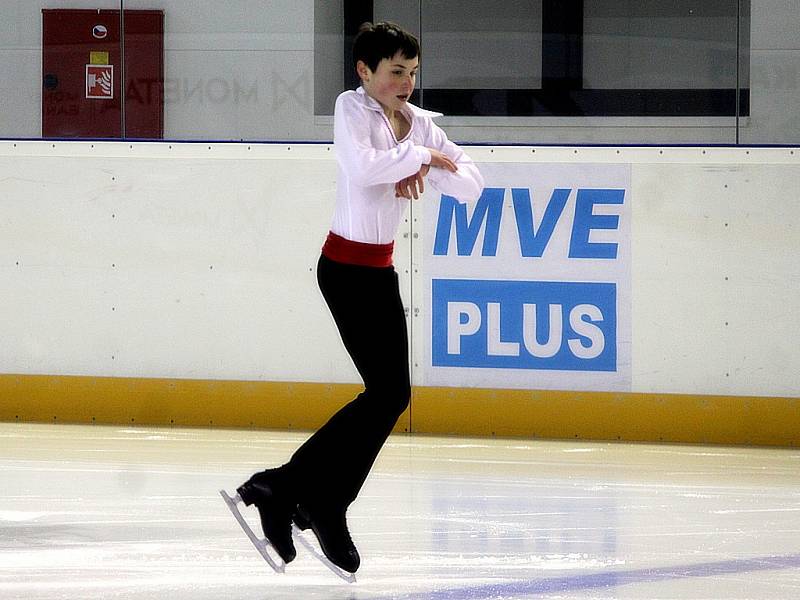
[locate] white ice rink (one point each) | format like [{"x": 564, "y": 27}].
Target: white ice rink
[{"x": 134, "y": 513}]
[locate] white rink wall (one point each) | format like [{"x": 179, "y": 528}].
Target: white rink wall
[{"x": 196, "y": 261}]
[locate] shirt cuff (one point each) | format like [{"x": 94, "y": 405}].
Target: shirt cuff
[{"x": 425, "y": 155}]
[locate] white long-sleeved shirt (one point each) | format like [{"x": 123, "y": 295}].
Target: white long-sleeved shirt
[{"x": 371, "y": 160}]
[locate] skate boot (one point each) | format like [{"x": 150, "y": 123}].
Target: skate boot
[
  {"x": 267, "y": 491},
  {"x": 330, "y": 527}
]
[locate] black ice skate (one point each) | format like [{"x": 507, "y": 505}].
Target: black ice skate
[
  {"x": 275, "y": 510},
  {"x": 330, "y": 528}
]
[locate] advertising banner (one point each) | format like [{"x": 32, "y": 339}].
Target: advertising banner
[{"x": 529, "y": 287}]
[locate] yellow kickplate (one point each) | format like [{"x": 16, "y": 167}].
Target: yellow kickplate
[
  {"x": 735, "y": 420},
  {"x": 732, "y": 420}
]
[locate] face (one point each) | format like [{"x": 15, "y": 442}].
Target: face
[{"x": 392, "y": 82}]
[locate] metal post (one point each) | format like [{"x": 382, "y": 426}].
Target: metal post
[{"x": 122, "y": 63}]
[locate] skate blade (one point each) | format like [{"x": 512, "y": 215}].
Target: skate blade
[
  {"x": 260, "y": 544},
  {"x": 341, "y": 573}
]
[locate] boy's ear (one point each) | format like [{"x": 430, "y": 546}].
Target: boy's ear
[{"x": 363, "y": 70}]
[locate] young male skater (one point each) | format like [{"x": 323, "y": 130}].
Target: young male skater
[{"x": 385, "y": 148}]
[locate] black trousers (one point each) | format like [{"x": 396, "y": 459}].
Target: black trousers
[{"x": 331, "y": 466}]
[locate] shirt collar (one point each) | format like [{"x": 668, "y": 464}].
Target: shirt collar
[{"x": 373, "y": 104}]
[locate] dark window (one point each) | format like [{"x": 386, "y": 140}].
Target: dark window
[{"x": 615, "y": 58}]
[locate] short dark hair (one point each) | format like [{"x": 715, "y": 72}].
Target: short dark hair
[{"x": 383, "y": 40}]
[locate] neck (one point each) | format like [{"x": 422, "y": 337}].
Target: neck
[{"x": 390, "y": 114}]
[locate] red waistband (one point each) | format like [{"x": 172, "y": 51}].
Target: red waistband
[{"x": 357, "y": 253}]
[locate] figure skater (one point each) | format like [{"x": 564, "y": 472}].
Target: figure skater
[{"x": 385, "y": 148}]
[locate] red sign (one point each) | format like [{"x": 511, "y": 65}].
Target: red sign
[{"x": 100, "y": 81}]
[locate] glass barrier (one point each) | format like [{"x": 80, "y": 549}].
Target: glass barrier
[
  {"x": 538, "y": 72},
  {"x": 769, "y": 55},
  {"x": 241, "y": 70}
]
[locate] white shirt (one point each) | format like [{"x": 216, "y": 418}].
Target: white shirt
[{"x": 371, "y": 160}]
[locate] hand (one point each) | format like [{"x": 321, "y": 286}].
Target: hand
[
  {"x": 440, "y": 160},
  {"x": 411, "y": 186}
]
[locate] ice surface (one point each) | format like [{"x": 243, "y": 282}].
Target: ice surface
[{"x": 90, "y": 512}]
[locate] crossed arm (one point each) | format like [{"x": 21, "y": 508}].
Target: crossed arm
[{"x": 414, "y": 185}]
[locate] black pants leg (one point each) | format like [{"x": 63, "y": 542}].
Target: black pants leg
[{"x": 331, "y": 466}]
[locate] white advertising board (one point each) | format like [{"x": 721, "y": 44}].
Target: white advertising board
[{"x": 530, "y": 287}]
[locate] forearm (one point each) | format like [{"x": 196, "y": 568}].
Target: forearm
[{"x": 367, "y": 166}]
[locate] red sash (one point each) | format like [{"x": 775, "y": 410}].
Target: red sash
[{"x": 346, "y": 251}]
